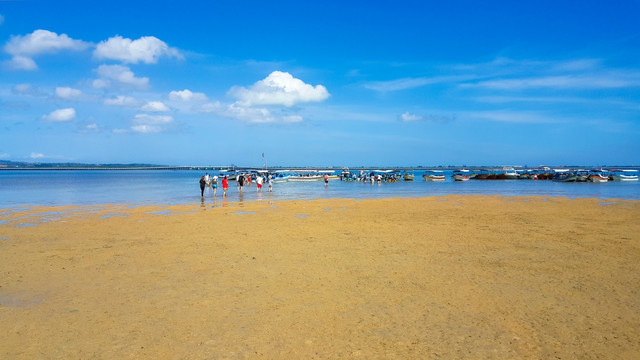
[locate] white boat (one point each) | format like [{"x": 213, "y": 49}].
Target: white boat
[
  {"x": 434, "y": 175},
  {"x": 510, "y": 173},
  {"x": 599, "y": 177},
  {"x": 281, "y": 176},
  {"x": 461, "y": 175},
  {"x": 624, "y": 175},
  {"x": 312, "y": 175}
]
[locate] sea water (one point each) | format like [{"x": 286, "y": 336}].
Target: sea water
[{"x": 157, "y": 187}]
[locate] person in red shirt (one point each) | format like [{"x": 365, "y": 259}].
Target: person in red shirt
[{"x": 225, "y": 185}]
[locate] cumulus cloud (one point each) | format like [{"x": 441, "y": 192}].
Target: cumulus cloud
[
  {"x": 248, "y": 114},
  {"x": 155, "y": 106},
  {"x": 22, "y": 63},
  {"x": 407, "y": 117},
  {"x": 122, "y": 100},
  {"x": 121, "y": 75},
  {"x": 35, "y": 155},
  {"x": 145, "y": 123},
  {"x": 68, "y": 93},
  {"x": 147, "y": 49},
  {"x": 24, "y": 48},
  {"x": 187, "y": 96},
  {"x": 61, "y": 115},
  {"x": 279, "y": 88}
]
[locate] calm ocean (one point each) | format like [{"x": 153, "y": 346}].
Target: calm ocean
[{"x": 93, "y": 187}]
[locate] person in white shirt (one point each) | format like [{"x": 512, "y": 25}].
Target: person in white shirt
[{"x": 259, "y": 183}]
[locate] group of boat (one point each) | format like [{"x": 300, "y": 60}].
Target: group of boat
[
  {"x": 544, "y": 173},
  {"x": 558, "y": 175}
]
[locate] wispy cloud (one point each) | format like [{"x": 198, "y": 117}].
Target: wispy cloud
[
  {"x": 410, "y": 83},
  {"x": 585, "y": 81},
  {"x": 516, "y": 117}
]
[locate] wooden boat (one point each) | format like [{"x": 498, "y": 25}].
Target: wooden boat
[
  {"x": 510, "y": 173},
  {"x": 624, "y": 175},
  {"x": 598, "y": 177},
  {"x": 461, "y": 175},
  {"x": 566, "y": 177},
  {"x": 408, "y": 176},
  {"x": 433, "y": 175},
  {"x": 281, "y": 176}
]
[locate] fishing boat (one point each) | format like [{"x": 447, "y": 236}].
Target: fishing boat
[
  {"x": 624, "y": 175},
  {"x": 281, "y": 176},
  {"x": 434, "y": 175},
  {"x": 312, "y": 175},
  {"x": 460, "y": 175},
  {"x": 565, "y": 177},
  {"x": 510, "y": 173},
  {"x": 599, "y": 176},
  {"x": 408, "y": 176},
  {"x": 306, "y": 175}
]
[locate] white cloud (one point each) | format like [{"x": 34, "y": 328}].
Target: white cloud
[
  {"x": 25, "y": 89},
  {"x": 279, "y": 88},
  {"x": 407, "y": 117},
  {"x": 147, "y": 49},
  {"x": 146, "y": 119},
  {"x": 562, "y": 82},
  {"x": 145, "y": 129},
  {"x": 24, "y": 48},
  {"x": 248, "y": 114},
  {"x": 4, "y": 156},
  {"x": 61, "y": 115},
  {"x": 186, "y": 95},
  {"x": 145, "y": 123},
  {"x": 22, "y": 63},
  {"x": 155, "y": 106},
  {"x": 68, "y": 93},
  {"x": 410, "y": 83},
  {"x": 35, "y": 155},
  {"x": 119, "y": 73},
  {"x": 122, "y": 100},
  {"x": 517, "y": 117}
]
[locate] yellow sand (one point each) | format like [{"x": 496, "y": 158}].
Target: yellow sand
[{"x": 450, "y": 277}]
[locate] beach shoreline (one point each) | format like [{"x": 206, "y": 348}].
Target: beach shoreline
[{"x": 454, "y": 276}]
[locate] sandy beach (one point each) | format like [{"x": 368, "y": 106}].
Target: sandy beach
[{"x": 476, "y": 277}]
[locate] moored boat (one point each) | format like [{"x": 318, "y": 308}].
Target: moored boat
[
  {"x": 624, "y": 175},
  {"x": 461, "y": 175},
  {"x": 434, "y": 175},
  {"x": 408, "y": 176},
  {"x": 598, "y": 176}
]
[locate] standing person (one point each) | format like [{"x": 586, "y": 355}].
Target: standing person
[
  {"x": 214, "y": 185},
  {"x": 326, "y": 180},
  {"x": 270, "y": 181},
  {"x": 240, "y": 182},
  {"x": 258, "y": 183},
  {"x": 225, "y": 185},
  {"x": 207, "y": 179},
  {"x": 203, "y": 182}
]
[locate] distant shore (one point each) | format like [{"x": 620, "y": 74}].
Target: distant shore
[{"x": 436, "y": 277}]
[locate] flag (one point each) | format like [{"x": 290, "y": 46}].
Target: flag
[{"x": 262, "y": 154}]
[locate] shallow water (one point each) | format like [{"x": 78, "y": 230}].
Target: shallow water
[{"x": 93, "y": 187}]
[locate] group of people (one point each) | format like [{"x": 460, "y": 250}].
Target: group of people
[{"x": 212, "y": 182}]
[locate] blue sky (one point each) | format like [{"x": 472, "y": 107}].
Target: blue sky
[{"x": 321, "y": 83}]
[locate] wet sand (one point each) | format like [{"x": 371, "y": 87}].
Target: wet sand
[{"x": 477, "y": 277}]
